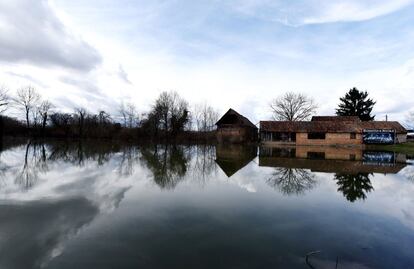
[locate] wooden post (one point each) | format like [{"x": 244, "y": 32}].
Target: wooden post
[{"x": 395, "y": 137}]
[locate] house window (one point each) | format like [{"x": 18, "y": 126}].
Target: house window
[
  {"x": 276, "y": 136},
  {"x": 353, "y": 135},
  {"x": 316, "y": 135},
  {"x": 316, "y": 155}
]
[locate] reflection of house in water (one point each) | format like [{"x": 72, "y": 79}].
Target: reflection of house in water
[
  {"x": 332, "y": 159},
  {"x": 351, "y": 167},
  {"x": 232, "y": 158}
]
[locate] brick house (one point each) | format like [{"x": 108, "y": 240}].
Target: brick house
[{"x": 332, "y": 130}]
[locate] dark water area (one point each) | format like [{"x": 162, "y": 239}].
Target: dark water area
[{"x": 101, "y": 205}]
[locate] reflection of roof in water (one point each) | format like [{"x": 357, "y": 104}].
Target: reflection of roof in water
[
  {"x": 230, "y": 167},
  {"x": 331, "y": 166},
  {"x": 232, "y": 159}
]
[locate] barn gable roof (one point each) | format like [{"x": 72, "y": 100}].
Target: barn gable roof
[{"x": 242, "y": 120}]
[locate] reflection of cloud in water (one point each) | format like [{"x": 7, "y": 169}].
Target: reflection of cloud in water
[
  {"x": 33, "y": 232},
  {"x": 408, "y": 172},
  {"x": 59, "y": 174},
  {"x": 101, "y": 177},
  {"x": 64, "y": 195}
]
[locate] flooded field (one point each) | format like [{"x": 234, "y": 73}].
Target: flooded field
[{"x": 99, "y": 205}]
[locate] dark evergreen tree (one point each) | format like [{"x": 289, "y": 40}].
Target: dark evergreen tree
[{"x": 356, "y": 103}]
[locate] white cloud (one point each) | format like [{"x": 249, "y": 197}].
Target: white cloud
[
  {"x": 296, "y": 13},
  {"x": 123, "y": 74},
  {"x": 30, "y": 32},
  {"x": 229, "y": 54}
]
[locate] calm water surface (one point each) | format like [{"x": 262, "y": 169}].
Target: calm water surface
[{"x": 97, "y": 205}]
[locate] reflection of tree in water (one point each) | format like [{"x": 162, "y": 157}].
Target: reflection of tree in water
[
  {"x": 130, "y": 155},
  {"x": 3, "y": 167},
  {"x": 78, "y": 152},
  {"x": 34, "y": 163},
  {"x": 204, "y": 162},
  {"x": 354, "y": 187},
  {"x": 37, "y": 155},
  {"x": 292, "y": 180},
  {"x": 168, "y": 164}
]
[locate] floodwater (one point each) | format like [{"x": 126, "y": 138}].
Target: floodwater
[{"x": 99, "y": 205}]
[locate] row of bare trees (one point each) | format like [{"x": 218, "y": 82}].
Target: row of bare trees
[
  {"x": 4, "y": 99},
  {"x": 29, "y": 101},
  {"x": 169, "y": 115}
]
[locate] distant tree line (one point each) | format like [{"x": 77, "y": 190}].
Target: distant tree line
[{"x": 169, "y": 118}]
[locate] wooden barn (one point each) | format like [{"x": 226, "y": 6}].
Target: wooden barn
[
  {"x": 235, "y": 128},
  {"x": 332, "y": 130}
]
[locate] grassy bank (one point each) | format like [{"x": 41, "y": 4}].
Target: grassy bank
[{"x": 407, "y": 148}]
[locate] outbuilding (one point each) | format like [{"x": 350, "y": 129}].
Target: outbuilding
[
  {"x": 235, "y": 128},
  {"x": 332, "y": 130}
]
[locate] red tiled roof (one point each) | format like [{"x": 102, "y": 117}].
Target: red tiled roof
[
  {"x": 308, "y": 126},
  {"x": 329, "y": 126}
]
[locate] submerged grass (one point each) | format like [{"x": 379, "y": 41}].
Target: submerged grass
[{"x": 407, "y": 148}]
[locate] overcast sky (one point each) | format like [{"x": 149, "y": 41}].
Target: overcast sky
[{"x": 238, "y": 54}]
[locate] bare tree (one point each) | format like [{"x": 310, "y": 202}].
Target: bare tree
[
  {"x": 129, "y": 114},
  {"x": 27, "y": 98},
  {"x": 123, "y": 112},
  {"x": 205, "y": 117},
  {"x": 163, "y": 107},
  {"x": 81, "y": 114},
  {"x": 171, "y": 110},
  {"x": 293, "y": 107},
  {"x": 36, "y": 119},
  {"x": 132, "y": 115},
  {"x": 43, "y": 110},
  {"x": 4, "y": 99},
  {"x": 103, "y": 117}
]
